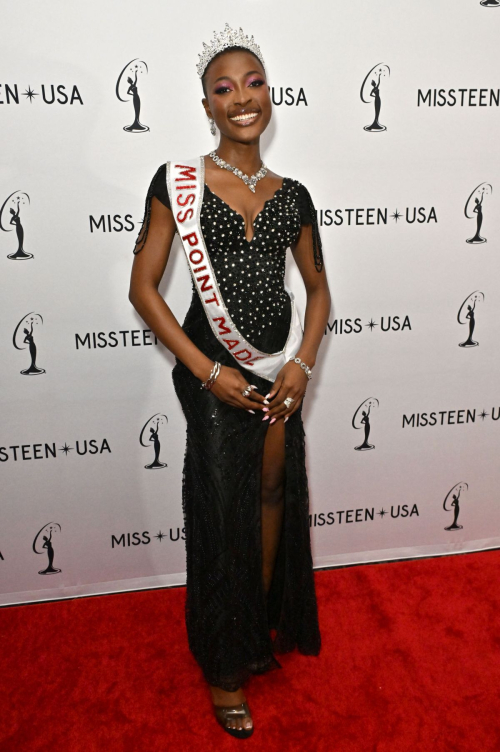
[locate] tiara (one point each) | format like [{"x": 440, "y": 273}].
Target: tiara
[{"x": 227, "y": 38}]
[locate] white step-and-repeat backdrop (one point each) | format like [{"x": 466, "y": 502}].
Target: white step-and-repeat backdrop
[{"x": 389, "y": 113}]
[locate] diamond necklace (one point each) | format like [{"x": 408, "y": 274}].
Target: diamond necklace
[{"x": 250, "y": 181}]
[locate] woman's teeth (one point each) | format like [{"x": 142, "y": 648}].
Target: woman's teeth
[{"x": 250, "y": 116}]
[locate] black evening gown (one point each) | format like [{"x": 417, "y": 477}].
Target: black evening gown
[{"x": 228, "y": 616}]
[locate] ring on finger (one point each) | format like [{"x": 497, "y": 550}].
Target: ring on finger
[
  {"x": 247, "y": 391},
  {"x": 288, "y": 402}
]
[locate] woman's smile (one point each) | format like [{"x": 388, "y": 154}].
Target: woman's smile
[{"x": 245, "y": 119}]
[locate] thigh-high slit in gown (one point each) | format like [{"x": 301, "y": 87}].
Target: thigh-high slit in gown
[{"x": 228, "y": 615}]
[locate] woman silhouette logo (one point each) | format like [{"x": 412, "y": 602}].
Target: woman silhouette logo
[
  {"x": 24, "y": 336},
  {"x": 150, "y": 435},
  {"x": 370, "y": 89},
  {"x": 466, "y": 314},
  {"x": 361, "y": 418},
  {"x": 127, "y": 87},
  {"x": 474, "y": 206},
  {"x": 45, "y": 535},
  {"x": 451, "y": 502},
  {"x": 10, "y": 217}
]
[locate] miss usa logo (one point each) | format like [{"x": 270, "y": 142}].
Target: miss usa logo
[
  {"x": 361, "y": 419},
  {"x": 467, "y": 313},
  {"x": 150, "y": 434},
  {"x": 44, "y": 544},
  {"x": 11, "y": 215},
  {"x": 474, "y": 208},
  {"x": 452, "y": 503},
  {"x": 127, "y": 88},
  {"x": 24, "y": 337},
  {"x": 370, "y": 92}
]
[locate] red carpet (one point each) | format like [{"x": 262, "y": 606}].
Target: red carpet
[{"x": 410, "y": 661}]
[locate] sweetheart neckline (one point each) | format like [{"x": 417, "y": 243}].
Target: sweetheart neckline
[{"x": 257, "y": 216}]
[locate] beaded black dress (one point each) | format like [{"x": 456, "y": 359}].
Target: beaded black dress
[{"x": 228, "y": 615}]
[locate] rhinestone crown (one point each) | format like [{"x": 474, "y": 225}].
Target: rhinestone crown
[{"x": 227, "y": 38}]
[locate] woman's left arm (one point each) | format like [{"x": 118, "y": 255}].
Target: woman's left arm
[
  {"x": 318, "y": 297},
  {"x": 291, "y": 381}
]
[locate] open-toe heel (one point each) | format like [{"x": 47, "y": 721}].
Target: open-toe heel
[{"x": 225, "y": 713}]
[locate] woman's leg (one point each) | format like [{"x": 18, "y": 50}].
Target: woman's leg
[
  {"x": 272, "y": 498},
  {"x": 272, "y": 507}
]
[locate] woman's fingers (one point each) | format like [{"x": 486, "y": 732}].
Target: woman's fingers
[
  {"x": 295, "y": 406},
  {"x": 278, "y": 402},
  {"x": 257, "y": 397},
  {"x": 231, "y": 386},
  {"x": 285, "y": 414}
]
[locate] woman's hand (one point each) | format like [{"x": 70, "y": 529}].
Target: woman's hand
[
  {"x": 291, "y": 381},
  {"x": 228, "y": 387}
]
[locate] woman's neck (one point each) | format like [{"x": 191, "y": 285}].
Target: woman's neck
[{"x": 246, "y": 157}]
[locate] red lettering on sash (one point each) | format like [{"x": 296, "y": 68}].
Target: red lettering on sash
[
  {"x": 231, "y": 343},
  {"x": 187, "y": 215},
  {"x": 191, "y": 237},
  {"x": 204, "y": 286},
  {"x": 223, "y": 329},
  {"x": 196, "y": 260},
  {"x": 188, "y": 172},
  {"x": 190, "y": 197},
  {"x": 188, "y": 189},
  {"x": 212, "y": 300},
  {"x": 252, "y": 362},
  {"x": 240, "y": 352}
]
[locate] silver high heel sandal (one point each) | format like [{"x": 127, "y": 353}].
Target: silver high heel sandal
[{"x": 224, "y": 713}]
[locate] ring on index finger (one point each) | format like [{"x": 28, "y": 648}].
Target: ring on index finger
[
  {"x": 288, "y": 402},
  {"x": 247, "y": 390}
]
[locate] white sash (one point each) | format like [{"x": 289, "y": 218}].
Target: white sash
[{"x": 185, "y": 184}]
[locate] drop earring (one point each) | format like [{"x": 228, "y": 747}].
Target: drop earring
[{"x": 211, "y": 122}]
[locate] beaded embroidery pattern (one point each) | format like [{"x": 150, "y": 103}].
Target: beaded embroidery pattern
[
  {"x": 250, "y": 274},
  {"x": 228, "y": 617}
]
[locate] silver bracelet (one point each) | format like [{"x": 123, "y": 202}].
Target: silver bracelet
[
  {"x": 301, "y": 363},
  {"x": 213, "y": 375}
]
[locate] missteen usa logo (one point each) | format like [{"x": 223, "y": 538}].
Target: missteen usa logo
[
  {"x": 150, "y": 436},
  {"x": 362, "y": 514},
  {"x": 451, "y": 503},
  {"x": 458, "y": 97},
  {"x": 127, "y": 89},
  {"x": 46, "y": 450},
  {"x": 467, "y": 314},
  {"x": 374, "y": 216},
  {"x": 56, "y": 94},
  {"x": 119, "y": 338},
  {"x": 43, "y": 543},
  {"x": 457, "y": 417},
  {"x": 371, "y": 93},
  {"x": 12, "y": 214},
  {"x": 24, "y": 338},
  {"x": 361, "y": 420},
  {"x": 474, "y": 207}
]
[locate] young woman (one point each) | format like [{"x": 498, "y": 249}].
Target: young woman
[{"x": 250, "y": 588}]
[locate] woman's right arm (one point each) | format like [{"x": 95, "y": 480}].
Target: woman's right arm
[{"x": 147, "y": 271}]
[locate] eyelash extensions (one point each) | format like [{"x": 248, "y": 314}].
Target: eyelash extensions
[{"x": 222, "y": 89}]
